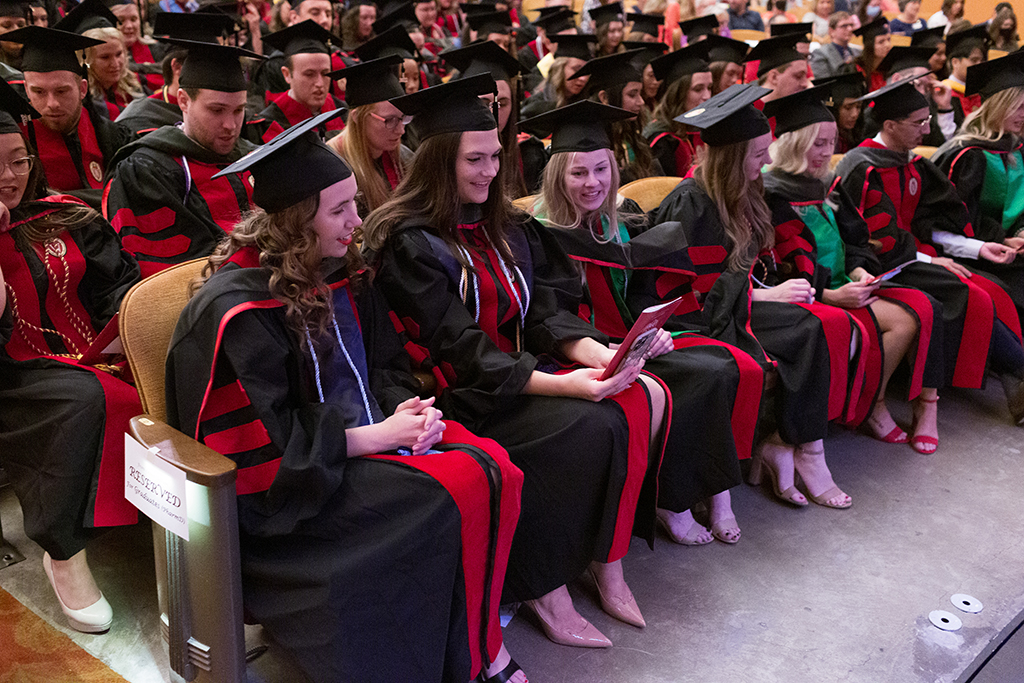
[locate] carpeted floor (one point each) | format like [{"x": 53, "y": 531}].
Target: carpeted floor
[{"x": 35, "y": 652}]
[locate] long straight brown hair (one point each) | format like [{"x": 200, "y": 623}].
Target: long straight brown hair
[
  {"x": 741, "y": 206},
  {"x": 429, "y": 195}
]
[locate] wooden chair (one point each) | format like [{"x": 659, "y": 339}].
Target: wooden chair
[
  {"x": 925, "y": 151},
  {"x": 834, "y": 161},
  {"x": 996, "y": 54},
  {"x": 199, "y": 581},
  {"x": 900, "y": 40},
  {"x": 648, "y": 192},
  {"x": 747, "y": 34}
]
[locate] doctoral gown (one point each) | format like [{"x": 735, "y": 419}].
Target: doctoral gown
[
  {"x": 903, "y": 198},
  {"x": 62, "y": 423},
  {"x": 378, "y": 568},
  {"x": 709, "y": 380},
  {"x": 165, "y": 203},
  {"x": 809, "y": 344},
  {"x": 147, "y": 114},
  {"x": 842, "y": 241},
  {"x": 989, "y": 177},
  {"x": 283, "y": 112},
  {"x": 483, "y": 332},
  {"x": 674, "y": 152}
]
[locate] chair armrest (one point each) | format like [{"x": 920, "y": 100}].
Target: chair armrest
[{"x": 202, "y": 465}]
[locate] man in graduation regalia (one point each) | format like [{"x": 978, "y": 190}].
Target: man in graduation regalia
[
  {"x": 781, "y": 67},
  {"x": 162, "y": 197},
  {"x": 306, "y": 69},
  {"x": 74, "y": 143},
  {"x": 914, "y": 213},
  {"x": 146, "y": 114}
]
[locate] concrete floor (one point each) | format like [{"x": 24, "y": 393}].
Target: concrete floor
[{"x": 807, "y": 595}]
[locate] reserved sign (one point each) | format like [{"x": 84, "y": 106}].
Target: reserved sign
[{"x": 155, "y": 488}]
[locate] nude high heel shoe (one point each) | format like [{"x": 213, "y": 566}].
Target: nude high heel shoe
[
  {"x": 757, "y": 467},
  {"x": 585, "y": 635},
  {"x": 623, "y": 609},
  {"x": 96, "y": 618}
]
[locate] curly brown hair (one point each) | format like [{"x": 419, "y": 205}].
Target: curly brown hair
[{"x": 290, "y": 249}]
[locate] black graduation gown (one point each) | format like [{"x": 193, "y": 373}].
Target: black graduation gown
[
  {"x": 62, "y": 424},
  {"x": 903, "y": 199},
  {"x": 706, "y": 378},
  {"x": 809, "y": 344},
  {"x": 988, "y": 177},
  {"x": 378, "y": 568},
  {"x": 829, "y": 205},
  {"x": 146, "y": 114},
  {"x": 76, "y": 163},
  {"x": 675, "y": 153},
  {"x": 165, "y": 203},
  {"x": 483, "y": 335},
  {"x": 534, "y": 157}
]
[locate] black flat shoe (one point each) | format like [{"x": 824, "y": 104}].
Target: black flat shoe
[{"x": 504, "y": 675}]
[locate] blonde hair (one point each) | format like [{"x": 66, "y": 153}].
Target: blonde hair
[
  {"x": 290, "y": 249},
  {"x": 352, "y": 145},
  {"x": 987, "y": 121},
  {"x": 559, "y": 209},
  {"x": 789, "y": 150},
  {"x": 127, "y": 83},
  {"x": 740, "y": 201}
]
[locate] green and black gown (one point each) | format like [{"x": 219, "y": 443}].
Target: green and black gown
[
  {"x": 62, "y": 423},
  {"x": 842, "y": 241},
  {"x": 989, "y": 177},
  {"x": 483, "y": 332},
  {"x": 715, "y": 388},
  {"x": 381, "y": 568},
  {"x": 808, "y": 344},
  {"x": 903, "y": 198}
]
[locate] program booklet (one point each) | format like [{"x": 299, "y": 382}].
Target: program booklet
[{"x": 641, "y": 336}]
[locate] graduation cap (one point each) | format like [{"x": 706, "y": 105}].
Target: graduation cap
[
  {"x": 483, "y": 56},
  {"x": 370, "y": 82},
  {"x": 394, "y": 41},
  {"x": 12, "y": 8},
  {"x": 646, "y": 23},
  {"x": 88, "y": 14},
  {"x": 221, "y": 8},
  {"x": 610, "y": 71},
  {"x": 490, "y": 22},
  {"x": 561, "y": 19},
  {"x": 801, "y": 29},
  {"x": 579, "y": 127},
  {"x": 896, "y": 100},
  {"x": 211, "y": 66},
  {"x": 606, "y": 14},
  {"x": 929, "y": 37},
  {"x": 799, "y": 110},
  {"x": 776, "y": 52},
  {"x": 729, "y": 117},
  {"x": 403, "y": 16},
  {"x": 279, "y": 177},
  {"x": 452, "y": 107},
  {"x": 206, "y": 28},
  {"x": 869, "y": 31},
  {"x": 722, "y": 49},
  {"x": 988, "y": 78},
  {"x": 962, "y": 43},
  {"x": 14, "y": 109},
  {"x": 302, "y": 38},
  {"x": 682, "y": 62},
  {"x": 577, "y": 46},
  {"x": 701, "y": 26},
  {"x": 843, "y": 86},
  {"x": 49, "y": 49},
  {"x": 647, "y": 51},
  {"x": 901, "y": 57}
]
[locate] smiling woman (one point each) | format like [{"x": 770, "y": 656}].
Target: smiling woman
[{"x": 109, "y": 76}]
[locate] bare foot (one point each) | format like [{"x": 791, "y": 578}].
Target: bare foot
[
  {"x": 500, "y": 662},
  {"x": 777, "y": 457},
  {"x": 682, "y": 528},
  {"x": 926, "y": 423},
  {"x": 809, "y": 461},
  {"x": 883, "y": 427},
  {"x": 723, "y": 521},
  {"x": 74, "y": 582}
]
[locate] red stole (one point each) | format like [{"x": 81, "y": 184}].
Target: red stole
[
  {"x": 218, "y": 193},
  {"x": 62, "y": 173},
  {"x": 295, "y": 112},
  {"x": 391, "y": 172},
  {"x": 141, "y": 54}
]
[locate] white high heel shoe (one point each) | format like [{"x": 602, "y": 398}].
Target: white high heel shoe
[{"x": 96, "y": 618}]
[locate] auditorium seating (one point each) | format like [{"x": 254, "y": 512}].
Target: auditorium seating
[{"x": 648, "y": 192}]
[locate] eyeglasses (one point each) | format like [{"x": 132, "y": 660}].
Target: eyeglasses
[
  {"x": 919, "y": 124},
  {"x": 20, "y": 166},
  {"x": 392, "y": 122}
]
